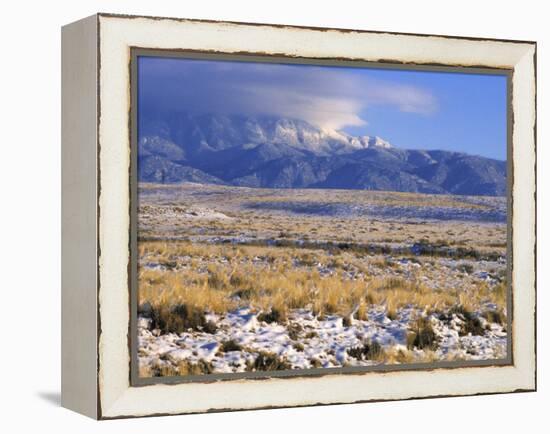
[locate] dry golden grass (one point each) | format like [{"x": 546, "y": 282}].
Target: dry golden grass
[
  {"x": 218, "y": 278},
  {"x": 337, "y": 263},
  {"x": 182, "y": 368}
]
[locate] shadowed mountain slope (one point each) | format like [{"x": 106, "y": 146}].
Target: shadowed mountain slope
[{"x": 289, "y": 153}]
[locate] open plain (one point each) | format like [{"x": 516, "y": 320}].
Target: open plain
[{"x": 236, "y": 279}]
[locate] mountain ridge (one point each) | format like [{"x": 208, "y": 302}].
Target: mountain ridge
[{"x": 289, "y": 153}]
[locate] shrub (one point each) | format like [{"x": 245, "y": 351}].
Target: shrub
[
  {"x": 239, "y": 279},
  {"x": 268, "y": 362},
  {"x": 315, "y": 363},
  {"x": 372, "y": 350},
  {"x": 422, "y": 335},
  {"x": 501, "y": 290},
  {"x": 145, "y": 310},
  {"x": 210, "y": 327},
  {"x": 199, "y": 368},
  {"x": 217, "y": 278},
  {"x": 472, "y": 325},
  {"x": 391, "y": 312},
  {"x": 243, "y": 294},
  {"x": 294, "y": 331},
  {"x": 399, "y": 356},
  {"x": 466, "y": 268},
  {"x": 308, "y": 259},
  {"x": 494, "y": 316},
  {"x": 298, "y": 346},
  {"x": 470, "y": 322},
  {"x": 274, "y": 315},
  {"x": 179, "y": 318},
  {"x": 230, "y": 345},
  {"x": 161, "y": 370},
  {"x": 346, "y": 321},
  {"x": 362, "y": 313}
]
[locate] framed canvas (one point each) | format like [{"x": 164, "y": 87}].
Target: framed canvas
[{"x": 261, "y": 216}]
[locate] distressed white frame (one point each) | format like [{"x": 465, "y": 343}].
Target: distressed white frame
[{"x": 116, "y": 398}]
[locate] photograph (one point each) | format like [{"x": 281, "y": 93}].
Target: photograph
[
  {"x": 297, "y": 217},
  {"x": 275, "y": 216}
]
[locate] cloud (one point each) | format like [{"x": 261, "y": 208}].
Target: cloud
[
  {"x": 331, "y": 112},
  {"x": 406, "y": 98},
  {"x": 329, "y": 97}
]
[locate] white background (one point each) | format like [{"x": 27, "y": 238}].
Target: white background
[{"x": 30, "y": 216}]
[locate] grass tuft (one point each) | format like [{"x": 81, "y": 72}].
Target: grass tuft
[
  {"x": 179, "y": 318},
  {"x": 268, "y": 362},
  {"x": 274, "y": 315},
  {"x": 471, "y": 324},
  {"x": 369, "y": 351},
  {"x": 422, "y": 335},
  {"x": 230, "y": 345},
  {"x": 494, "y": 316},
  {"x": 161, "y": 369}
]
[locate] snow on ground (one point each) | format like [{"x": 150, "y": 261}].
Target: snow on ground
[
  {"x": 442, "y": 242},
  {"x": 180, "y": 212},
  {"x": 491, "y": 211},
  {"x": 308, "y": 342}
]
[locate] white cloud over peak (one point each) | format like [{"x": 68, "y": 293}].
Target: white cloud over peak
[{"x": 329, "y": 97}]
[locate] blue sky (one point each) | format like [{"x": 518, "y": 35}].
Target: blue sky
[{"x": 411, "y": 109}]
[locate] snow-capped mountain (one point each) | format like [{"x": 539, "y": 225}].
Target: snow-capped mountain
[
  {"x": 291, "y": 153},
  {"x": 196, "y": 134}
]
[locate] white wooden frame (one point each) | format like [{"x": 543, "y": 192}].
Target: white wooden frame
[{"x": 96, "y": 219}]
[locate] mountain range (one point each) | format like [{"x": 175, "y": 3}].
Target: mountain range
[{"x": 290, "y": 153}]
